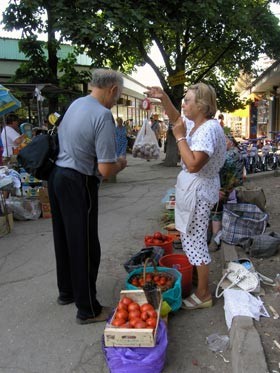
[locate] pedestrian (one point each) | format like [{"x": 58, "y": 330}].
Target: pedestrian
[
  {"x": 202, "y": 146},
  {"x": 221, "y": 119},
  {"x": 10, "y": 136},
  {"x": 121, "y": 138},
  {"x": 156, "y": 128},
  {"x": 231, "y": 176},
  {"x": 87, "y": 154}
]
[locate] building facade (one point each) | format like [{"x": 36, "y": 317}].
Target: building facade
[{"x": 129, "y": 107}]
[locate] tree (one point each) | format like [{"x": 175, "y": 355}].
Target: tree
[
  {"x": 211, "y": 41},
  {"x": 35, "y": 18}
]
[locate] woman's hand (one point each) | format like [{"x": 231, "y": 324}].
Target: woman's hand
[
  {"x": 179, "y": 129},
  {"x": 155, "y": 92}
]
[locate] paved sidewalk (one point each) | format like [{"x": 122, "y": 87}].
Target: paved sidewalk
[{"x": 39, "y": 336}]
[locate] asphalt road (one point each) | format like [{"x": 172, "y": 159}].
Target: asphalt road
[{"x": 39, "y": 336}]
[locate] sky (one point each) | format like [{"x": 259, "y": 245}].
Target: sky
[{"x": 144, "y": 74}]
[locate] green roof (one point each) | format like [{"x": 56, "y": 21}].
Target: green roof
[{"x": 9, "y": 51}]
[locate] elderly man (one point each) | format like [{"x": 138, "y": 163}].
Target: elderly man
[{"x": 87, "y": 153}]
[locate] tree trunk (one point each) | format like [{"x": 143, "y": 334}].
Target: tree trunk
[{"x": 172, "y": 154}]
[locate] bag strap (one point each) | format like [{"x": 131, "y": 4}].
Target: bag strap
[{"x": 217, "y": 295}]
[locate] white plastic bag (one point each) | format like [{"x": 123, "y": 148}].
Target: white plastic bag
[
  {"x": 242, "y": 303},
  {"x": 146, "y": 144}
]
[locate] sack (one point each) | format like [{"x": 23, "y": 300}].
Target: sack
[
  {"x": 240, "y": 273},
  {"x": 261, "y": 246},
  {"x": 242, "y": 220},
  {"x": 138, "y": 359},
  {"x": 146, "y": 144},
  {"x": 253, "y": 195},
  {"x": 138, "y": 260},
  {"x": 39, "y": 156}
]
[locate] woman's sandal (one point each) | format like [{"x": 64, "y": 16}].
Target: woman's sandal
[{"x": 195, "y": 303}]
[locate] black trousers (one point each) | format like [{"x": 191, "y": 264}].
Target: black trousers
[{"x": 74, "y": 205}]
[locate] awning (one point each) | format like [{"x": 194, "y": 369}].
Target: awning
[{"x": 242, "y": 113}]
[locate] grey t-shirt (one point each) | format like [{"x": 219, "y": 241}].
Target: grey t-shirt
[{"x": 86, "y": 136}]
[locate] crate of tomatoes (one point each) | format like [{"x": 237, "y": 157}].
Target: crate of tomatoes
[
  {"x": 134, "y": 322},
  {"x": 167, "y": 280}
]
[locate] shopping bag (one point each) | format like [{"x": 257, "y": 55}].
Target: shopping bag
[
  {"x": 138, "y": 259},
  {"x": 146, "y": 144},
  {"x": 251, "y": 194},
  {"x": 239, "y": 275},
  {"x": 262, "y": 245},
  {"x": 242, "y": 220}
]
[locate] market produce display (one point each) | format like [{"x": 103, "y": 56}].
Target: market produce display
[
  {"x": 157, "y": 239},
  {"x": 163, "y": 280},
  {"x": 130, "y": 314}
]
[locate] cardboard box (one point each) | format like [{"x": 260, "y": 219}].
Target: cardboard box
[
  {"x": 6, "y": 224},
  {"x": 43, "y": 195},
  {"x": 46, "y": 210},
  {"x": 129, "y": 337}
]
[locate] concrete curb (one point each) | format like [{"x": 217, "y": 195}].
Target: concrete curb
[{"x": 247, "y": 354}]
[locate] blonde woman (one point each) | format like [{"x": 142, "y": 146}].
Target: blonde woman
[{"x": 201, "y": 142}]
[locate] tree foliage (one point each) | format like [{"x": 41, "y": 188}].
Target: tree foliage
[{"x": 211, "y": 41}]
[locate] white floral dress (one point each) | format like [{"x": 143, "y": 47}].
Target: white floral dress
[{"x": 208, "y": 138}]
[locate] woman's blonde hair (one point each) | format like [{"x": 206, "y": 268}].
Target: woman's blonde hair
[{"x": 205, "y": 97}]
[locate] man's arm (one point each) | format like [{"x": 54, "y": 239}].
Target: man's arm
[{"x": 110, "y": 169}]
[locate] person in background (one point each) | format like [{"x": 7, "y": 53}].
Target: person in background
[
  {"x": 156, "y": 128},
  {"x": 87, "y": 154},
  {"x": 121, "y": 138},
  {"x": 10, "y": 136},
  {"x": 221, "y": 120},
  {"x": 231, "y": 176},
  {"x": 202, "y": 145}
]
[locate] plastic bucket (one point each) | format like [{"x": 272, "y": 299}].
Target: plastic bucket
[
  {"x": 167, "y": 246},
  {"x": 182, "y": 264}
]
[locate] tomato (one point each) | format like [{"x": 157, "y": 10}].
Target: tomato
[
  {"x": 151, "y": 322},
  {"x": 152, "y": 313},
  {"x": 126, "y": 300},
  {"x": 156, "y": 278},
  {"x": 118, "y": 322},
  {"x": 135, "y": 282},
  {"x": 141, "y": 282},
  {"x": 157, "y": 242},
  {"x": 162, "y": 281},
  {"x": 140, "y": 324},
  {"x": 134, "y": 314},
  {"x": 127, "y": 325},
  {"x": 133, "y": 307},
  {"x": 121, "y": 314},
  {"x": 134, "y": 321},
  {"x": 146, "y": 307},
  {"x": 158, "y": 235},
  {"x": 149, "y": 277},
  {"x": 144, "y": 315},
  {"x": 122, "y": 306},
  {"x": 165, "y": 238}
]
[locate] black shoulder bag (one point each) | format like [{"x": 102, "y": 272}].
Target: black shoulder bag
[{"x": 39, "y": 156}]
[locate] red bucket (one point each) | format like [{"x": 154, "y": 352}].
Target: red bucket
[
  {"x": 167, "y": 245},
  {"x": 182, "y": 264}
]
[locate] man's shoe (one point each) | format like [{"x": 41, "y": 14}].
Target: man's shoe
[
  {"x": 104, "y": 315},
  {"x": 63, "y": 300}
]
